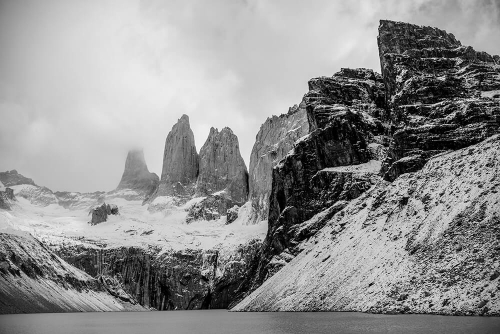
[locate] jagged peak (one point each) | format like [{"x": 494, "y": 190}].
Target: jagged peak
[
  {"x": 184, "y": 119},
  {"x": 397, "y": 37}
]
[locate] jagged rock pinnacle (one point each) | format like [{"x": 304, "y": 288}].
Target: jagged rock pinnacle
[
  {"x": 180, "y": 160},
  {"x": 222, "y": 167}
]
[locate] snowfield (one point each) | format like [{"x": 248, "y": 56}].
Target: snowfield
[{"x": 135, "y": 225}]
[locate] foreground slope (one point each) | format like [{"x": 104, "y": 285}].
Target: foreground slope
[
  {"x": 427, "y": 243},
  {"x": 33, "y": 279}
]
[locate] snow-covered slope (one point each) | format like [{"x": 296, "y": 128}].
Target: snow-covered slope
[
  {"x": 427, "y": 243},
  {"x": 33, "y": 279},
  {"x": 159, "y": 259}
]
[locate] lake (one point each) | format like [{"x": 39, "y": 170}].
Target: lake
[{"x": 222, "y": 322}]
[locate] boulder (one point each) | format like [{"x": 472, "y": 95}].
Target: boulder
[
  {"x": 100, "y": 213},
  {"x": 211, "y": 208}
]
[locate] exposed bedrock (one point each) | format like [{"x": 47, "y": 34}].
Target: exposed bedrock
[
  {"x": 274, "y": 140},
  {"x": 172, "y": 280},
  {"x": 441, "y": 95},
  {"x": 344, "y": 132},
  {"x": 221, "y": 167},
  {"x": 180, "y": 161},
  {"x": 212, "y": 207},
  {"x": 136, "y": 175},
  {"x": 100, "y": 213}
]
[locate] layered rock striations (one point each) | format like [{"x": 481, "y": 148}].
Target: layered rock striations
[
  {"x": 426, "y": 243},
  {"x": 221, "y": 166},
  {"x": 171, "y": 280},
  {"x": 136, "y": 175},
  {"x": 274, "y": 140},
  {"x": 180, "y": 161},
  {"x": 441, "y": 95}
]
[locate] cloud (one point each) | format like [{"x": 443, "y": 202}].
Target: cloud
[{"x": 81, "y": 82}]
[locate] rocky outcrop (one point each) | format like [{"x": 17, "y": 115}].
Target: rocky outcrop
[
  {"x": 33, "y": 279},
  {"x": 180, "y": 161},
  {"x": 275, "y": 139},
  {"x": 100, "y": 213},
  {"x": 171, "y": 280},
  {"x": 6, "y": 198},
  {"x": 222, "y": 167},
  {"x": 441, "y": 95},
  {"x": 13, "y": 178},
  {"x": 136, "y": 175},
  {"x": 211, "y": 208},
  {"x": 341, "y": 113},
  {"x": 426, "y": 243}
]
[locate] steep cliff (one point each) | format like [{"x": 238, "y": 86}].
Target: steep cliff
[
  {"x": 341, "y": 114},
  {"x": 136, "y": 175},
  {"x": 171, "y": 280},
  {"x": 434, "y": 96},
  {"x": 222, "y": 167},
  {"x": 180, "y": 161},
  {"x": 274, "y": 140},
  {"x": 427, "y": 243},
  {"x": 441, "y": 95},
  {"x": 33, "y": 279}
]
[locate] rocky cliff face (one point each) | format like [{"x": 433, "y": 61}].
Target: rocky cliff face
[
  {"x": 222, "y": 167},
  {"x": 441, "y": 95},
  {"x": 180, "y": 161},
  {"x": 426, "y": 243},
  {"x": 275, "y": 139},
  {"x": 434, "y": 96},
  {"x": 171, "y": 280},
  {"x": 341, "y": 113},
  {"x": 33, "y": 279},
  {"x": 136, "y": 175}
]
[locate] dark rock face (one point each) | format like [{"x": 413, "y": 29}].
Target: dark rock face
[
  {"x": 222, "y": 167},
  {"x": 211, "y": 208},
  {"x": 174, "y": 280},
  {"x": 136, "y": 175},
  {"x": 100, "y": 213},
  {"x": 6, "y": 197},
  {"x": 340, "y": 112},
  {"x": 180, "y": 161},
  {"x": 13, "y": 178},
  {"x": 434, "y": 95},
  {"x": 232, "y": 214},
  {"x": 440, "y": 94},
  {"x": 275, "y": 139}
]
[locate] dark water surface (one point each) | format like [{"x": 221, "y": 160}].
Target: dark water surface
[{"x": 222, "y": 322}]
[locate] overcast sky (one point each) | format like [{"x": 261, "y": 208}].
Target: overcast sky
[{"x": 82, "y": 82}]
